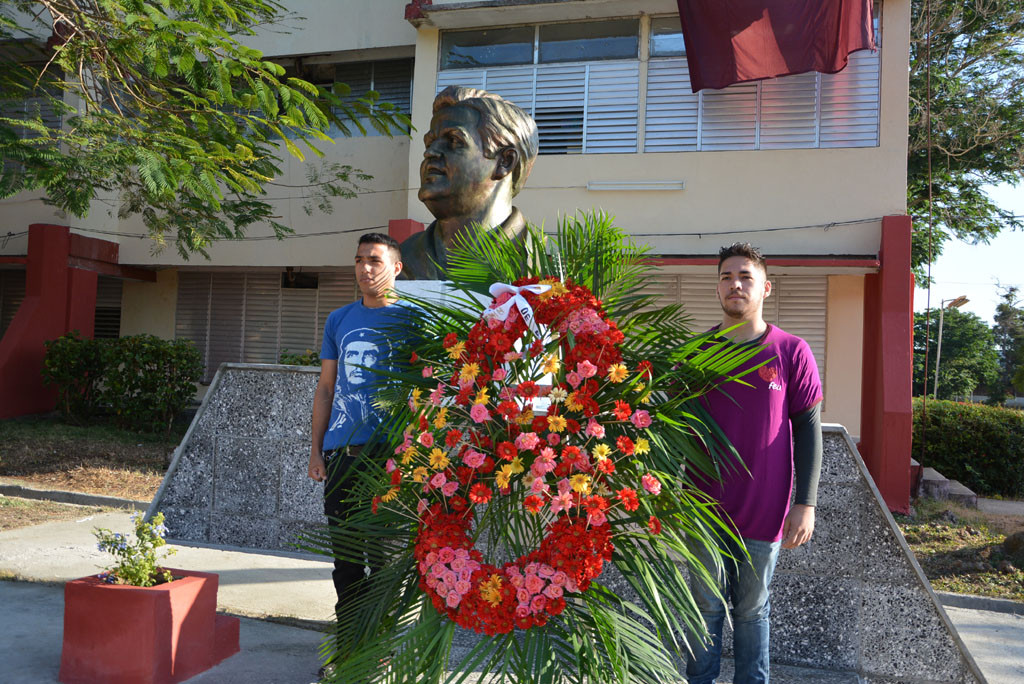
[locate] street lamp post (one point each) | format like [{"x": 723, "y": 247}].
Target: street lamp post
[{"x": 954, "y": 303}]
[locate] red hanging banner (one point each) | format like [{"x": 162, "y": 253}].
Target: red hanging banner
[{"x": 732, "y": 41}]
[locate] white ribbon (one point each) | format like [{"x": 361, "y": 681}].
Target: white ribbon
[{"x": 502, "y": 311}]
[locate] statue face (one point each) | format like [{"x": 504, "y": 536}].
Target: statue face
[{"x": 456, "y": 179}]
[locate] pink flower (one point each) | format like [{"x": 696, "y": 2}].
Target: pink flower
[
  {"x": 450, "y": 578},
  {"x": 499, "y": 374},
  {"x": 523, "y": 595},
  {"x": 537, "y": 603},
  {"x": 586, "y": 369},
  {"x": 539, "y": 486},
  {"x": 545, "y": 571},
  {"x": 438, "y": 481},
  {"x": 562, "y": 502},
  {"x": 574, "y": 379},
  {"x": 473, "y": 458},
  {"x": 437, "y": 394},
  {"x": 594, "y": 429},
  {"x": 479, "y": 413},
  {"x": 389, "y": 465},
  {"x": 421, "y": 507},
  {"x": 453, "y": 600},
  {"x": 527, "y": 440},
  {"x": 450, "y": 488},
  {"x": 534, "y": 584},
  {"x": 463, "y": 587},
  {"x": 559, "y": 578},
  {"x": 426, "y": 439},
  {"x": 640, "y": 418},
  {"x": 446, "y": 555},
  {"x": 651, "y": 484},
  {"x": 522, "y": 610},
  {"x": 564, "y": 486},
  {"x": 553, "y": 591},
  {"x": 554, "y": 438},
  {"x": 512, "y": 356},
  {"x": 596, "y": 518},
  {"x": 506, "y": 394},
  {"x": 428, "y": 371}
]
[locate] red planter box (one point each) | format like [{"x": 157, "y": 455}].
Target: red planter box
[{"x": 116, "y": 634}]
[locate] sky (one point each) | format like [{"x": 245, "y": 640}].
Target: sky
[{"x": 974, "y": 270}]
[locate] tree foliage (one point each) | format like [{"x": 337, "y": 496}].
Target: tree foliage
[
  {"x": 1008, "y": 333},
  {"x": 163, "y": 105},
  {"x": 968, "y": 358},
  {"x": 977, "y": 94}
]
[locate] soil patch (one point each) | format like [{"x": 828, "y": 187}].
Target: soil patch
[
  {"x": 15, "y": 512},
  {"x": 961, "y": 550}
]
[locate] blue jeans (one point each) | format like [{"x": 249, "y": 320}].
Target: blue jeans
[{"x": 745, "y": 585}]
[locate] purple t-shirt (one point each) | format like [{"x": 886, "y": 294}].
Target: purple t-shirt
[{"x": 756, "y": 421}]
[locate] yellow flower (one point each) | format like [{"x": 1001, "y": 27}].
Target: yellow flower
[
  {"x": 601, "y": 451},
  {"x": 639, "y": 387},
  {"x": 438, "y": 461},
  {"x": 455, "y": 351},
  {"x": 419, "y": 474},
  {"x": 580, "y": 483},
  {"x": 557, "y": 289},
  {"x": 603, "y": 490},
  {"x": 481, "y": 396},
  {"x": 617, "y": 372},
  {"x": 408, "y": 455},
  {"x": 557, "y": 395},
  {"x": 572, "y": 403},
  {"x": 556, "y": 423},
  {"x": 517, "y": 465},
  {"x": 469, "y": 372},
  {"x": 642, "y": 446},
  {"x": 551, "y": 364},
  {"x": 525, "y": 418},
  {"x": 441, "y": 419},
  {"x": 490, "y": 590},
  {"x": 390, "y": 495},
  {"x": 416, "y": 394},
  {"x": 645, "y": 398},
  {"x": 504, "y": 476}
]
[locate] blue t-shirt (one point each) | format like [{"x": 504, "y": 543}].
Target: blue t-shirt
[{"x": 360, "y": 338}]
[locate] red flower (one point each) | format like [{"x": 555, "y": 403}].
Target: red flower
[
  {"x": 509, "y": 410},
  {"x": 645, "y": 367},
  {"x": 457, "y": 503},
  {"x": 537, "y": 348},
  {"x": 488, "y": 466},
  {"x": 607, "y": 466},
  {"x": 414, "y": 358},
  {"x": 629, "y": 499},
  {"x": 396, "y": 477},
  {"x": 528, "y": 389},
  {"x": 654, "y": 525},
  {"x": 506, "y": 451},
  {"x": 464, "y": 396},
  {"x": 450, "y": 340},
  {"x": 374, "y": 503},
  {"x": 622, "y": 410},
  {"x": 572, "y": 426},
  {"x": 539, "y": 424},
  {"x": 480, "y": 493},
  {"x": 452, "y": 438},
  {"x": 625, "y": 445},
  {"x": 533, "y": 503},
  {"x": 464, "y": 474}
]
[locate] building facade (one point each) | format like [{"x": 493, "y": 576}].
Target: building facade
[{"x": 812, "y": 168}]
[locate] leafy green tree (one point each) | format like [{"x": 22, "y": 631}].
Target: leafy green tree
[
  {"x": 163, "y": 105},
  {"x": 1008, "y": 333},
  {"x": 969, "y": 359},
  {"x": 977, "y": 133}
]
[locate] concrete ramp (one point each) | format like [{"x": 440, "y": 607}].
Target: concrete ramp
[{"x": 853, "y": 602}]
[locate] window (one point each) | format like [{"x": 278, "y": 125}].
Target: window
[
  {"x": 107, "y": 321},
  {"x": 588, "y": 41},
  {"x": 12, "y": 294},
  {"x": 802, "y": 111},
  {"x": 253, "y": 317},
  {"x": 495, "y": 47}
]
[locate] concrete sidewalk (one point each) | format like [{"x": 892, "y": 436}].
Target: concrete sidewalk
[{"x": 287, "y": 588}]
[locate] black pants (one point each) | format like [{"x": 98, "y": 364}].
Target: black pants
[{"x": 338, "y": 488}]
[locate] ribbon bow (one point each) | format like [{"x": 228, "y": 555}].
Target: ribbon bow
[{"x": 502, "y": 311}]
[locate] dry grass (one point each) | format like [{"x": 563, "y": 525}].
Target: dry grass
[{"x": 16, "y": 512}]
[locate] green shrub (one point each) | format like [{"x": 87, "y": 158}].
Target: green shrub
[
  {"x": 150, "y": 380},
  {"x": 306, "y": 358},
  {"x": 75, "y": 365},
  {"x": 980, "y": 446}
]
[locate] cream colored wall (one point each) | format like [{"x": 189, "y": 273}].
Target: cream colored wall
[
  {"x": 384, "y": 198},
  {"x": 319, "y": 26},
  {"x": 725, "y": 191},
  {"x": 844, "y": 339},
  {"x": 149, "y": 307}
]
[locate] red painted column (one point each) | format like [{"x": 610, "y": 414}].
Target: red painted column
[
  {"x": 403, "y": 229},
  {"x": 886, "y": 419},
  {"x": 81, "y": 298}
]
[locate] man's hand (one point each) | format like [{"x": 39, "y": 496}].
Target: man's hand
[
  {"x": 799, "y": 526},
  {"x": 317, "y": 468}
]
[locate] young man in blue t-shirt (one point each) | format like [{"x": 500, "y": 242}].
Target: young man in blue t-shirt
[{"x": 358, "y": 338}]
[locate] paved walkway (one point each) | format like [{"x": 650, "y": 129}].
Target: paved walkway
[
  {"x": 1001, "y": 507},
  {"x": 293, "y": 589}
]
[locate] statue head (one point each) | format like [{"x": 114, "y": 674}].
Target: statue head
[{"x": 479, "y": 150}]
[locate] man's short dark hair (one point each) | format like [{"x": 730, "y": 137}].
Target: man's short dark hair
[
  {"x": 745, "y": 250},
  {"x": 382, "y": 239}
]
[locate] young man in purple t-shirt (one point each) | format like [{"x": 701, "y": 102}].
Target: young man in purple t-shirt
[{"x": 774, "y": 424}]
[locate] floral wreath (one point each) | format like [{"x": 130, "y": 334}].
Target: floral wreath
[{"x": 535, "y": 404}]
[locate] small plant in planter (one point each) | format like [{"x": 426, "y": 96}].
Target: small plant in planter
[
  {"x": 137, "y": 562},
  {"x": 139, "y": 622}
]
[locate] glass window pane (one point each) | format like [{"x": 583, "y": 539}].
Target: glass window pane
[
  {"x": 466, "y": 49},
  {"x": 666, "y": 37},
  {"x": 590, "y": 41}
]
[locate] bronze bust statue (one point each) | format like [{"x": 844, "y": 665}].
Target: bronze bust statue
[{"x": 479, "y": 150}]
